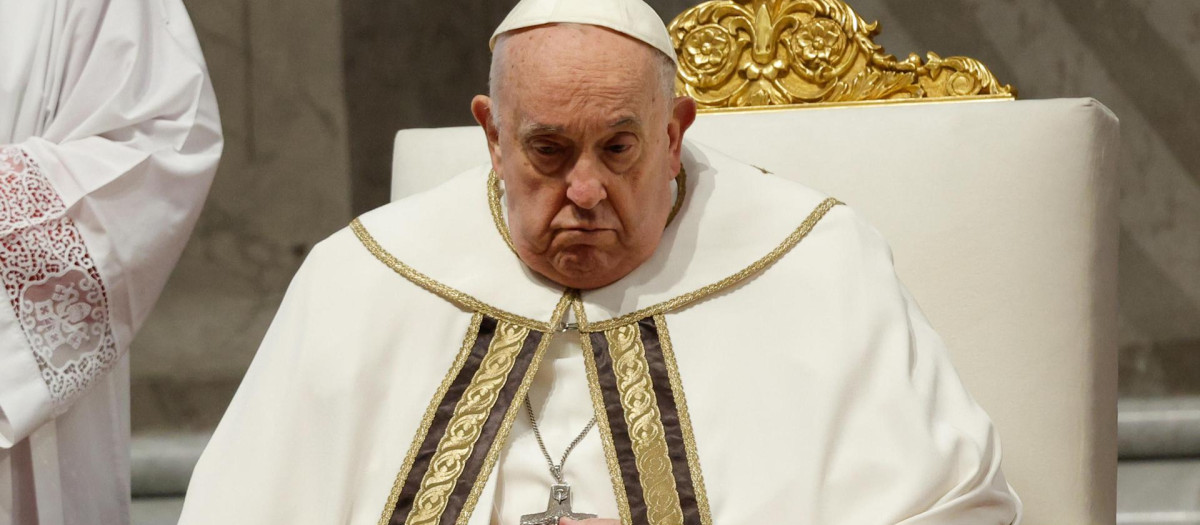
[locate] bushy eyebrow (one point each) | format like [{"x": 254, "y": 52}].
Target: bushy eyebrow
[
  {"x": 533, "y": 129},
  {"x": 627, "y": 122}
]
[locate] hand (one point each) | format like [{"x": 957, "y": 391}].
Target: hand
[{"x": 593, "y": 521}]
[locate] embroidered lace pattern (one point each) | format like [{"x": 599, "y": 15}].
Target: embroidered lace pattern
[{"x": 51, "y": 280}]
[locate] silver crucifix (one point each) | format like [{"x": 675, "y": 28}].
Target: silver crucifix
[{"x": 559, "y": 507}]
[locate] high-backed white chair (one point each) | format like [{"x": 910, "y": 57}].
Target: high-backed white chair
[{"x": 1001, "y": 214}]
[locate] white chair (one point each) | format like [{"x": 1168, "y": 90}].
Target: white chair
[{"x": 1002, "y": 216}]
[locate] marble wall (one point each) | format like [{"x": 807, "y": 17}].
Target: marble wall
[
  {"x": 283, "y": 185},
  {"x": 312, "y": 92},
  {"x": 409, "y": 64}
]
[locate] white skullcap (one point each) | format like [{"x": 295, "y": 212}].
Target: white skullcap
[{"x": 633, "y": 18}]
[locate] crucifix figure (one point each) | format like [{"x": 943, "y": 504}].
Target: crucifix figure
[{"x": 558, "y": 507}]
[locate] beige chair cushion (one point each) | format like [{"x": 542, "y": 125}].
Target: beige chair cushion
[{"x": 1002, "y": 218}]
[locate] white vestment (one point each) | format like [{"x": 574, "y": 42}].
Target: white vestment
[
  {"x": 109, "y": 138},
  {"x": 763, "y": 366}
]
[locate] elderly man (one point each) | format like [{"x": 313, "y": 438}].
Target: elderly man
[{"x": 606, "y": 320}]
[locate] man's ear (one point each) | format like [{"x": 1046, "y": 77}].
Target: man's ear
[
  {"x": 481, "y": 108},
  {"x": 683, "y": 114}
]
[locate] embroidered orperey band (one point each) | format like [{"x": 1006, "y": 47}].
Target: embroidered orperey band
[
  {"x": 467, "y": 423},
  {"x": 636, "y": 386}
]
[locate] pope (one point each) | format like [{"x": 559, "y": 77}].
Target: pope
[{"x": 606, "y": 323}]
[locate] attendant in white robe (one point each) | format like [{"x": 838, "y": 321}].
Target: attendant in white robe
[
  {"x": 572, "y": 272},
  {"x": 109, "y": 138}
]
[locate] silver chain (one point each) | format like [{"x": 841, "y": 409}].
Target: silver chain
[{"x": 555, "y": 470}]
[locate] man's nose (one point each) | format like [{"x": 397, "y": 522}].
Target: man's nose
[{"x": 585, "y": 187}]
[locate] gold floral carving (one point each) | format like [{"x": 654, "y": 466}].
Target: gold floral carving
[{"x": 742, "y": 53}]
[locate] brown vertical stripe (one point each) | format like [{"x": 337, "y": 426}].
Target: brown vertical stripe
[
  {"x": 622, "y": 443},
  {"x": 670, "y": 420},
  {"x": 491, "y": 428},
  {"x": 487, "y": 329}
]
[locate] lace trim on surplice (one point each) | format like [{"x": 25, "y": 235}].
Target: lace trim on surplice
[{"x": 52, "y": 281}]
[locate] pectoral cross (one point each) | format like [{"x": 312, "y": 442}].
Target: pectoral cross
[{"x": 559, "y": 507}]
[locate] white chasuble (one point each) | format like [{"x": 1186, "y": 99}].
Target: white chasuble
[
  {"x": 109, "y": 138},
  {"x": 764, "y": 366}
]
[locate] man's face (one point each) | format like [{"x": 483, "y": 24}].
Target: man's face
[{"x": 587, "y": 144}]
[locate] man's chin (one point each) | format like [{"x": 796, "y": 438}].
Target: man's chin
[
  {"x": 585, "y": 282},
  {"x": 584, "y": 270}
]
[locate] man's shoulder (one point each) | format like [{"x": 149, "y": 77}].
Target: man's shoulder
[
  {"x": 759, "y": 197},
  {"x": 459, "y": 194},
  {"x": 444, "y": 238},
  {"x": 737, "y": 187},
  {"x": 421, "y": 213},
  {"x": 742, "y": 226}
]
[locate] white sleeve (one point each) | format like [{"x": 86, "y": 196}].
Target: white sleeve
[
  {"x": 912, "y": 446},
  {"x": 95, "y": 208},
  {"x": 979, "y": 492}
]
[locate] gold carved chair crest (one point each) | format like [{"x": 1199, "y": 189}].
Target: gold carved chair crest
[{"x": 742, "y": 53}]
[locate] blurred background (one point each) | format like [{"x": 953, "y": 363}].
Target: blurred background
[{"x": 312, "y": 91}]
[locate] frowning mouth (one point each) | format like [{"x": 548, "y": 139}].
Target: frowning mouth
[
  {"x": 583, "y": 229},
  {"x": 583, "y": 234}
]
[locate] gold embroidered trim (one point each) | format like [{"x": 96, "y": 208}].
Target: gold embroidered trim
[
  {"x": 466, "y": 425},
  {"x": 493, "y": 183},
  {"x": 757, "y": 266},
  {"x": 610, "y": 450},
  {"x": 685, "y": 420},
  {"x": 471, "y": 303},
  {"x": 494, "y": 192},
  {"x": 427, "y": 421},
  {"x": 644, "y": 420},
  {"x": 502, "y": 435},
  {"x": 433, "y": 286},
  {"x": 680, "y": 193}
]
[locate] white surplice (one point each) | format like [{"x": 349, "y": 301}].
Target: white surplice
[
  {"x": 816, "y": 392},
  {"x": 109, "y": 138}
]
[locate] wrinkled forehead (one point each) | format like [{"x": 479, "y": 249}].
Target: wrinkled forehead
[{"x": 565, "y": 64}]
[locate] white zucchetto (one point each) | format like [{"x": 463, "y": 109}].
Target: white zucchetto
[{"x": 633, "y": 18}]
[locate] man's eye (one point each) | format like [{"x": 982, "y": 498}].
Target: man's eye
[
  {"x": 546, "y": 149},
  {"x": 619, "y": 148}
]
